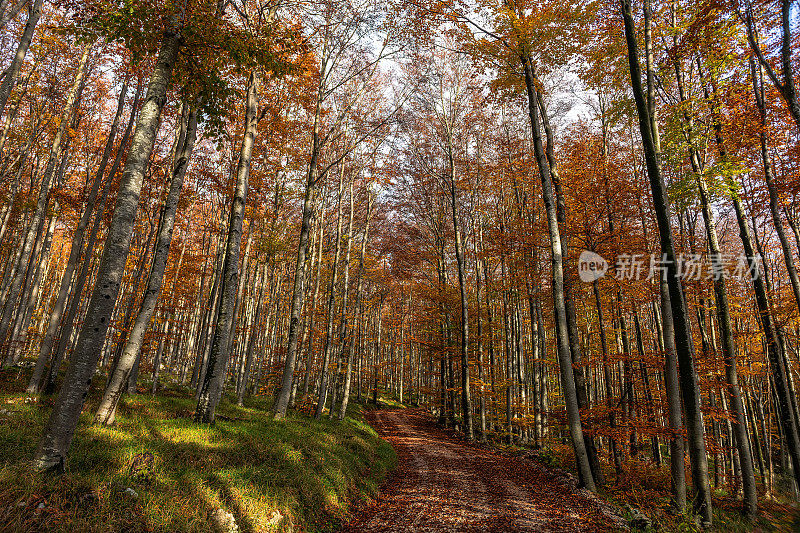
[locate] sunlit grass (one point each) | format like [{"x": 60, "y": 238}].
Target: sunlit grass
[{"x": 271, "y": 475}]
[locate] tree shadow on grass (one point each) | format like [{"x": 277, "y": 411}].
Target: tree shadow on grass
[
  {"x": 232, "y": 502},
  {"x": 309, "y": 472}
]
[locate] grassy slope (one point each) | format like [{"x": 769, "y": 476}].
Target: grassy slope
[{"x": 312, "y": 473}]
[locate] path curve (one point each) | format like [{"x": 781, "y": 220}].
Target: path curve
[{"x": 442, "y": 484}]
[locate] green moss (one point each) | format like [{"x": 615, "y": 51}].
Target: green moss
[{"x": 311, "y": 473}]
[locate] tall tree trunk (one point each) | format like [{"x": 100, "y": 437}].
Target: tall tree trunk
[
  {"x": 211, "y": 391},
  {"x": 328, "y": 346},
  {"x": 479, "y": 334},
  {"x": 57, "y": 435},
  {"x": 313, "y": 178},
  {"x": 648, "y": 391},
  {"x": 118, "y": 381},
  {"x": 672, "y": 385},
  {"x": 310, "y": 357},
  {"x": 159, "y": 353},
  {"x": 581, "y": 385},
  {"x": 729, "y": 352},
  {"x": 12, "y": 72},
  {"x": 564, "y": 355},
  {"x": 683, "y": 340},
  {"x": 14, "y": 187},
  {"x": 466, "y": 400},
  {"x": 344, "y": 327}
]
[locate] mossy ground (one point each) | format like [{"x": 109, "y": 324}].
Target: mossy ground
[{"x": 293, "y": 474}]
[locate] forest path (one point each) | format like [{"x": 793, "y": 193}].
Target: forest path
[{"x": 444, "y": 484}]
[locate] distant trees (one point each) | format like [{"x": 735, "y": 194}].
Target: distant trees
[{"x": 346, "y": 63}]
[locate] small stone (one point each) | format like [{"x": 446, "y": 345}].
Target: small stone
[
  {"x": 131, "y": 493},
  {"x": 223, "y": 522},
  {"x": 40, "y": 506}
]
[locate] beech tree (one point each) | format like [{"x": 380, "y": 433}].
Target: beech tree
[{"x": 682, "y": 329}]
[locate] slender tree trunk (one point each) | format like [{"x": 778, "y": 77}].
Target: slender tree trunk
[
  {"x": 132, "y": 288},
  {"x": 12, "y": 72},
  {"x": 344, "y": 324},
  {"x": 14, "y": 187},
  {"x": 564, "y": 355},
  {"x": 328, "y": 346},
  {"x": 209, "y": 317},
  {"x": 35, "y": 272},
  {"x": 683, "y": 341},
  {"x": 729, "y": 353},
  {"x": 118, "y": 381},
  {"x": 8, "y": 11},
  {"x": 581, "y": 385},
  {"x": 58, "y": 432},
  {"x": 159, "y": 354},
  {"x": 479, "y": 338},
  {"x": 282, "y": 402},
  {"x": 466, "y": 400},
  {"x": 310, "y": 357},
  {"x": 211, "y": 391}
]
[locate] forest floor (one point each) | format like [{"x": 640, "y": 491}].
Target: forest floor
[
  {"x": 444, "y": 484},
  {"x": 156, "y": 470}
]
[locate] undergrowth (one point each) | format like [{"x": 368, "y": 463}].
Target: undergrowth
[
  {"x": 645, "y": 486},
  {"x": 156, "y": 470}
]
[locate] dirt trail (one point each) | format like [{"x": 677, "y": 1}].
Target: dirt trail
[{"x": 444, "y": 484}]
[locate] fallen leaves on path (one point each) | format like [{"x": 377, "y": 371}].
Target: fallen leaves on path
[{"x": 444, "y": 484}]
